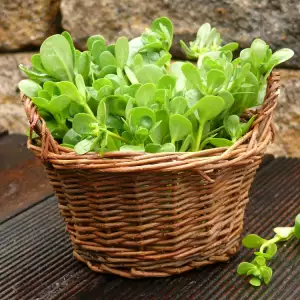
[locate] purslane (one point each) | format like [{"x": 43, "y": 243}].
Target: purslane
[{"x": 128, "y": 96}]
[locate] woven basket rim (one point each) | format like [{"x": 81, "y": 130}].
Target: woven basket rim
[{"x": 254, "y": 142}]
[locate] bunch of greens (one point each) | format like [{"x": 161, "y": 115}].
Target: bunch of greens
[
  {"x": 258, "y": 268},
  {"x": 128, "y": 96}
]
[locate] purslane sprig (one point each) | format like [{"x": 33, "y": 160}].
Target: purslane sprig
[
  {"x": 258, "y": 268},
  {"x": 128, "y": 96}
]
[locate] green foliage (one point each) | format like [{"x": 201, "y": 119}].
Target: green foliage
[
  {"x": 128, "y": 96},
  {"x": 258, "y": 268}
]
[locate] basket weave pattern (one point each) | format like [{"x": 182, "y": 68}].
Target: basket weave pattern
[{"x": 140, "y": 215}]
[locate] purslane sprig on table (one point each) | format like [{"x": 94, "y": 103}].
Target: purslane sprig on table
[
  {"x": 258, "y": 268},
  {"x": 128, "y": 96}
]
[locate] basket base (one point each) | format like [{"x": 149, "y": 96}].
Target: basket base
[{"x": 134, "y": 273}]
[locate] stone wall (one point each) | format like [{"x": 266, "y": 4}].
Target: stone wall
[{"x": 25, "y": 24}]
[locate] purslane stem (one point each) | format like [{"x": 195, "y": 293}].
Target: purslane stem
[{"x": 199, "y": 137}]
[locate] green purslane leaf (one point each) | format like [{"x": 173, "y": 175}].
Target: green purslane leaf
[
  {"x": 149, "y": 74},
  {"x": 252, "y": 241},
  {"x": 84, "y": 124},
  {"x": 57, "y": 57},
  {"x": 180, "y": 127},
  {"x": 29, "y": 88},
  {"x": 122, "y": 52},
  {"x": 255, "y": 281},
  {"x": 145, "y": 95}
]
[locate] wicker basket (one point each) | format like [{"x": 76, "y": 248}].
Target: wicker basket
[{"x": 144, "y": 215}]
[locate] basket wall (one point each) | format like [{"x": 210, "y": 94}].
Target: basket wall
[{"x": 139, "y": 215}]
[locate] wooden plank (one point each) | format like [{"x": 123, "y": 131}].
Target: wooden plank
[{"x": 23, "y": 180}]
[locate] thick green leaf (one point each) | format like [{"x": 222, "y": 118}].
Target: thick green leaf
[
  {"x": 252, "y": 241},
  {"x": 41, "y": 103},
  {"x": 246, "y": 126},
  {"x": 260, "y": 260},
  {"x": 145, "y": 95},
  {"x": 84, "y": 124},
  {"x": 180, "y": 127},
  {"x": 192, "y": 74},
  {"x": 162, "y": 130},
  {"x": 71, "y": 137},
  {"x": 259, "y": 50},
  {"x": 168, "y": 147},
  {"x": 230, "y": 47},
  {"x": 93, "y": 39},
  {"x": 161, "y": 96},
  {"x": 116, "y": 104},
  {"x": 75, "y": 108},
  {"x": 104, "y": 92},
  {"x": 266, "y": 273},
  {"x": 37, "y": 63},
  {"x": 159, "y": 25},
  {"x": 44, "y": 94},
  {"x": 167, "y": 82},
  {"x": 112, "y": 144},
  {"x": 255, "y": 281},
  {"x": 68, "y": 37},
  {"x": 142, "y": 116},
  {"x": 99, "y": 83},
  {"x": 122, "y": 51},
  {"x": 138, "y": 61},
  {"x": 186, "y": 143},
  {"x": 69, "y": 89},
  {"x": 232, "y": 126},
  {"x": 227, "y": 97},
  {"x": 107, "y": 70},
  {"x": 141, "y": 134},
  {"x": 107, "y": 59},
  {"x": 97, "y": 48},
  {"x": 83, "y": 65},
  {"x": 284, "y": 232},
  {"x": 164, "y": 59},
  {"x": 80, "y": 86},
  {"x": 57, "y": 57},
  {"x": 178, "y": 105},
  {"x": 192, "y": 97},
  {"x": 51, "y": 88},
  {"x": 131, "y": 76},
  {"x": 84, "y": 146},
  {"x": 244, "y": 267},
  {"x": 129, "y": 107},
  {"x": 149, "y": 73},
  {"x": 220, "y": 142},
  {"x": 215, "y": 80},
  {"x": 177, "y": 72},
  {"x": 279, "y": 57},
  {"x": 58, "y": 104},
  {"x": 133, "y": 89},
  {"x": 36, "y": 75},
  {"x": 152, "y": 148},
  {"x": 29, "y": 88},
  {"x": 208, "y": 108},
  {"x": 114, "y": 122}
]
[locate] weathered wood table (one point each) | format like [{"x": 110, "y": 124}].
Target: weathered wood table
[{"x": 36, "y": 259}]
